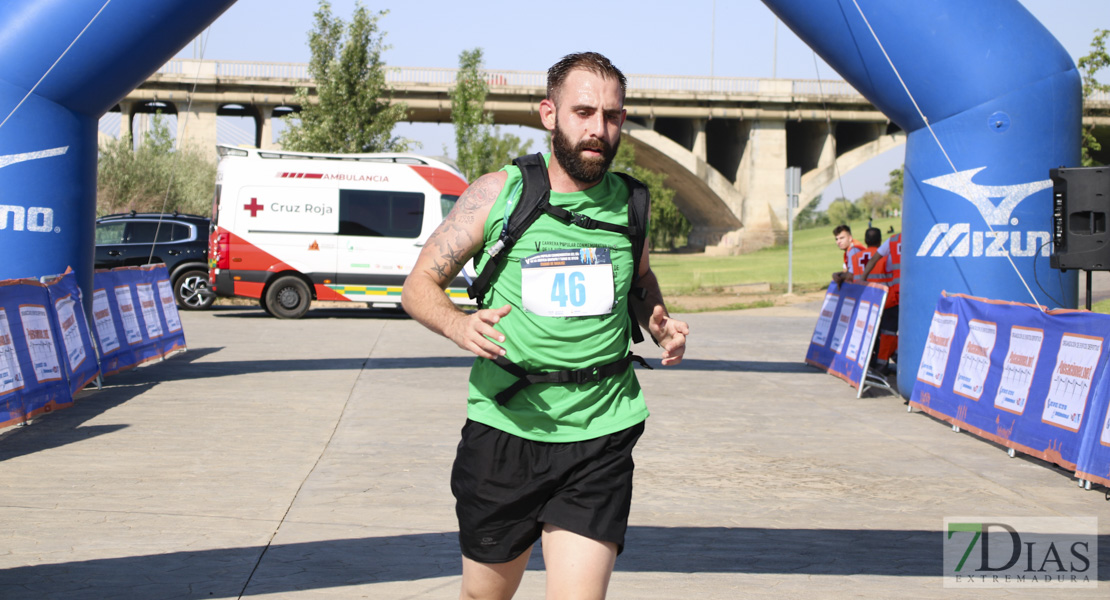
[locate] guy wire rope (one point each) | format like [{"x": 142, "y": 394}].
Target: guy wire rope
[{"x": 177, "y": 154}]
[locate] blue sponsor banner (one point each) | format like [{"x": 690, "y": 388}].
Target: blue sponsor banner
[
  {"x": 173, "y": 333},
  {"x": 1094, "y": 457},
  {"x": 846, "y": 330},
  {"x": 75, "y": 340},
  {"x": 115, "y": 335},
  {"x": 31, "y": 378},
  {"x": 138, "y": 308},
  {"x": 1028, "y": 379},
  {"x": 46, "y": 345}
]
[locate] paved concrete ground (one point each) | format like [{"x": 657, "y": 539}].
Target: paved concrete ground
[
  {"x": 1100, "y": 287},
  {"x": 310, "y": 459}
]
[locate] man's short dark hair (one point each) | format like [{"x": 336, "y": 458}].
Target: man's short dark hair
[
  {"x": 873, "y": 237},
  {"x": 590, "y": 61},
  {"x": 842, "y": 228}
]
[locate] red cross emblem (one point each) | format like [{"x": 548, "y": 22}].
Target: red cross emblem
[{"x": 254, "y": 207}]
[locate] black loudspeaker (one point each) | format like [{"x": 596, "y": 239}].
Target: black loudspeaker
[{"x": 1080, "y": 203}]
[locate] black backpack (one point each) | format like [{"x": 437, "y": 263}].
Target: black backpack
[{"x": 534, "y": 201}]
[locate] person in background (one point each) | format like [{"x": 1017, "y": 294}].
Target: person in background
[
  {"x": 844, "y": 240},
  {"x": 887, "y": 259}
]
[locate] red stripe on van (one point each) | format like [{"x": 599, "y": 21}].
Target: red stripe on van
[
  {"x": 443, "y": 181},
  {"x": 245, "y": 256},
  {"x": 248, "y": 289}
]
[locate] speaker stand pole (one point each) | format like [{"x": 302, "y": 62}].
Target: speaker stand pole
[{"x": 1088, "y": 290}]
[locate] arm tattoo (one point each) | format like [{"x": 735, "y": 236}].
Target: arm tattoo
[
  {"x": 452, "y": 240},
  {"x": 479, "y": 195}
]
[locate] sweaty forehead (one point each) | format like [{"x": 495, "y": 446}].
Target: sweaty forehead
[{"x": 585, "y": 86}]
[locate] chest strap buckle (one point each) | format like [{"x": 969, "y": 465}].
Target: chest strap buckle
[{"x": 575, "y": 376}]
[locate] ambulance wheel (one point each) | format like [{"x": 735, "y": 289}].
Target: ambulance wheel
[{"x": 288, "y": 298}]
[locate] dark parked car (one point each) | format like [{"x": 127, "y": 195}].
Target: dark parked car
[{"x": 179, "y": 241}]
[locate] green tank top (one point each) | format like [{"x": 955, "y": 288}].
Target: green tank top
[{"x": 560, "y": 412}]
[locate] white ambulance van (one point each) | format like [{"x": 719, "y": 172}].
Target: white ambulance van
[{"x": 291, "y": 227}]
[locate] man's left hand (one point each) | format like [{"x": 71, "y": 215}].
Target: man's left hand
[{"x": 671, "y": 335}]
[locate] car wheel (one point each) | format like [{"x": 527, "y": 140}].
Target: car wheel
[
  {"x": 288, "y": 298},
  {"x": 192, "y": 292}
]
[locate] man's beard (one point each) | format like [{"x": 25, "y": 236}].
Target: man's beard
[{"x": 584, "y": 169}]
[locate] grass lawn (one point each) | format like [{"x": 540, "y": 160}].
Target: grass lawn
[{"x": 815, "y": 258}]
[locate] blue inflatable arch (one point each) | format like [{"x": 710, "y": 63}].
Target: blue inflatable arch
[
  {"x": 1000, "y": 96},
  {"x": 993, "y": 103},
  {"x": 65, "y": 63}
]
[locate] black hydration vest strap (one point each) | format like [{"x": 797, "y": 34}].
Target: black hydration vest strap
[
  {"x": 534, "y": 201},
  {"x": 583, "y": 221},
  {"x": 576, "y": 376},
  {"x": 638, "y": 201},
  {"x": 534, "y": 197}
]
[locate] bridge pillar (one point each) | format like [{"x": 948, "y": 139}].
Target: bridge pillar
[
  {"x": 823, "y": 145},
  {"x": 699, "y": 149},
  {"x": 126, "y": 114},
  {"x": 827, "y": 157},
  {"x": 265, "y": 126},
  {"x": 760, "y": 178},
  {"x": 196, "y": 127},
  {"x": 819, "y": 149}
]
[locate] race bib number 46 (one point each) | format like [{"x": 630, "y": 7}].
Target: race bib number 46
[{"x": 568, "y": 283}]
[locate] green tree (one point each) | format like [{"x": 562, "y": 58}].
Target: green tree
[
  {"x": 480, "y": 147},
  {"x": 841, "y": 211},
  {"x": 809, "y": 217},
  {"x": 498, "y": 150},
  {"x": 1089, "y": 66},
  {"x": 895, "y": 189},
  {"x": 669, "y": 227},
  {"x": 894, "y": 185},
  {"x": 354, "y": 111},
  {"x": 872, "y": 204},
  {"x": 472, "y": 123},
  {"x": 153, "y": 177}
]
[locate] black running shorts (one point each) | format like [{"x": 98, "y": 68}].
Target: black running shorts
[{"x": 506, "y": 488}]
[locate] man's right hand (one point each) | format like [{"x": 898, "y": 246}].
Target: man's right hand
[{"x": 474, "y": 332}]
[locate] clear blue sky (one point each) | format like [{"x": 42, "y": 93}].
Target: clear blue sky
[{"x": 726, "y": 38}]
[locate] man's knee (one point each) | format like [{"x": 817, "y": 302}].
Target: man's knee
[{"x": 492, "y": 581}]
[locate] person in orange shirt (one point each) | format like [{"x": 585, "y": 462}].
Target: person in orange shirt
[
  {"x": 887, "y": 260},
  {"x": 872, "y": 239},
  {"x": 851, "y": 248}
]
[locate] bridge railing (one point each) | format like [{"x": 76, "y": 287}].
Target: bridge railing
[
  {"x": 498, "y": 78},
  {"x": 526, "y": 79}
]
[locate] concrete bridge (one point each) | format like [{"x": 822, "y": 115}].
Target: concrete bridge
[{"x": 723, "y": 143}]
